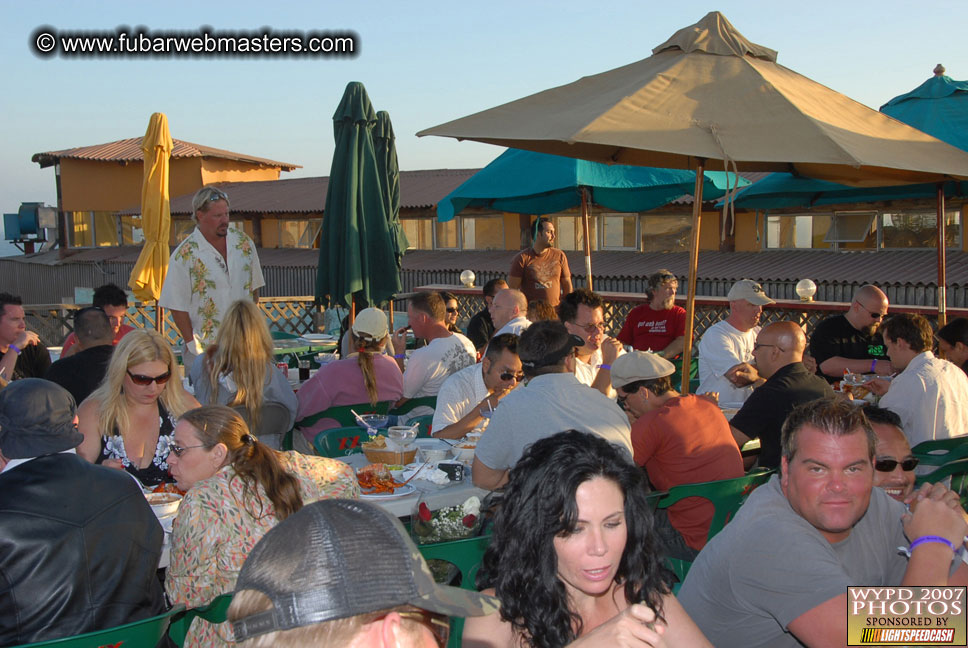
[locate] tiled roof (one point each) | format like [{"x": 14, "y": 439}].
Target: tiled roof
[
  {"x": 129, "y": 150},
  {"x": 882, "y": 267},
  {"x": 418, "y": 190}
]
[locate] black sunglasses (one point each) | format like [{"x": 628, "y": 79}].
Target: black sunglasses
[
  {"x": 508, "y": 375},
  {"x": 888, "y": 465},
  {"x": 139, "y": 379},
  {"x": 452, "y": 310}
]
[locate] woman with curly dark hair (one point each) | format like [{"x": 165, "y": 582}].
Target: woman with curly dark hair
[{"x": 573, "y": 558}]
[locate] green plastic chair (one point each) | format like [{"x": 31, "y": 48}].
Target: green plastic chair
[
  {"x": 726, "y": 495},
  {"x": 340, "y": 442},
  {"x": 423, "y": 401},
  {"x": 939, "y": 452},
  {"x": 423, "y": 424},
  {"x": 214, "y": 612},
  {"x": 466, "y": 555},
  {"x": 957, "y": 471},
  {"x": 342, "y": 414},
  {"x": 138, "y": 634}
]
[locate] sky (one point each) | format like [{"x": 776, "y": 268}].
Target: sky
[{"x": 424, "y": 62}]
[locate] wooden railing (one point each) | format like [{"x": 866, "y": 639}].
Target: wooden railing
[{"x": 298, "y": 315}]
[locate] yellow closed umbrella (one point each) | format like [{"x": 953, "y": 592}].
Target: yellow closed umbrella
[{"x": 149, "y": 272}]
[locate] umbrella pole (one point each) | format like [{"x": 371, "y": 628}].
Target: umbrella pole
[
  {"x": 159, "y": 318},
  {"x": 588, "y": 246},
  {"x": 942, "y": 279},
  {"x": 693, "y": 267}
]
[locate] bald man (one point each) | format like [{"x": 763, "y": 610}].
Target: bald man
[
  {"x": 851, "y": 341},
  {"x": 509, "y": 310},
  {"x": 778, "y": 354}
]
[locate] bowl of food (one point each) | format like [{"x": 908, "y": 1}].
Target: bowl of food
[
  {"x": 433, "y": 455},
  {"x": 163, "y": 503},
  {"x": 464, "y": 451}
]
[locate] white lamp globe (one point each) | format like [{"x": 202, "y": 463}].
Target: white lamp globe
[
  {"x": 467, "y": 278},
  {"x": 806, "y": 289}
]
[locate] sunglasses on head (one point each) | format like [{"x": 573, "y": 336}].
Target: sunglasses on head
[
  {"x": 508, "y": 375},
  {"x": 142, "y": 380},
  {"x": 888, "y": 465}
]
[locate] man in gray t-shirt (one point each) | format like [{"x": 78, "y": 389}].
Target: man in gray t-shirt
[{"x": 777, "y": 575}]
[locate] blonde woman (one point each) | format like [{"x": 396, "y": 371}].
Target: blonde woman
[
  {"x": 239, "y": 368},
  {"x": 366, "y": 376},
  {"x": 238, "y": 489},
  {"x": 127, "y": 422}
]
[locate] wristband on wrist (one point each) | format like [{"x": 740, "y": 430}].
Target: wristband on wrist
[
  {"x": 604, "y": 366},
  {"x": 930, "y": 538},
  {"x": 400, "y": 356},
  {"x": 15, "y": 348},
  {"x": 874, "y": 366}
]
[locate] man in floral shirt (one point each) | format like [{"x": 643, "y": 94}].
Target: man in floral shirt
[{"x": 215, "y": 266}]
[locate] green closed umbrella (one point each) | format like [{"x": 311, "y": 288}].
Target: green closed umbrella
[
  {"x": 356, "y": 251},
  {"x": 384, "y": 141}
]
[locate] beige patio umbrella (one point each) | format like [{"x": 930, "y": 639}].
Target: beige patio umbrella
[
  {"x": 149, "y": 272},
  {"x": 708, "y": 93}
]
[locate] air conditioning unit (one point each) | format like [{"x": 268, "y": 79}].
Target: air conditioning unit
[{"x": 30, "y": 223}]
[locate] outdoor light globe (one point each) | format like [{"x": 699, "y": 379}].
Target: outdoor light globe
[
  {"x": 467, "y": 278},
  {"x": 806, "y": 289}
]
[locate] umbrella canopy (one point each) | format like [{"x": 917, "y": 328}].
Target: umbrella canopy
[
  {"x": 384, "y": 143},
  {"x": 149, "y": 272},
  {"x": 525, "y": 182},
  {"x": 939, "y": 107},
  {"x": 710, "y": 94},
  {"x": 356, "y": 251}
]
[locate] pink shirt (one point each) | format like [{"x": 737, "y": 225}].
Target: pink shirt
[{"x": 341, "y": 383}]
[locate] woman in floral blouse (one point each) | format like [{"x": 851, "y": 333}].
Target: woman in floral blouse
[
  {"x": 128, "y": 420},
  {"x": 238, "y": 489}
]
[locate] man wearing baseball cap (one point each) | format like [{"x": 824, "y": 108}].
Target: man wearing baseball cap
[
  {"x": 679, "y": 440},
  {"x": 79, "y": 545},
  {"x": 726, "y": 348},
  {"x": 344, "y": 573},
  {"x": 551, "y": 401}
]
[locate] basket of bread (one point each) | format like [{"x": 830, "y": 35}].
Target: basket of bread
[{"x": 376, "y": 451}]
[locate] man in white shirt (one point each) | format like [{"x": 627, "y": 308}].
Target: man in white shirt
[
  {"x": 509, "y": 310},
  {"x": 215, "y": 266},
  {"x": 471, "y": 394},
  {"x": 726, "y": 348},
  {"x": 930, "y": 393},
  {"x": 582, "y": 313},
  {"x": 446, "y": 352}
]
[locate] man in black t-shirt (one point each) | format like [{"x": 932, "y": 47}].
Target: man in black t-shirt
[
  {"x": 778, "y": 353},
  {"x": 22, "y": 354},
  {"x": 851, "y": 342},
  {"x": 481, "y": 327},
  {"x": 82, "y": 372}
]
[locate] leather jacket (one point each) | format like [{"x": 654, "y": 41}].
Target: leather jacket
[{"x": 79, "y": 550}]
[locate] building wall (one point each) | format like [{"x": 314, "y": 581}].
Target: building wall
[
  {"x": 222, "y": 170},
  {"x": 748, "y": 232}
]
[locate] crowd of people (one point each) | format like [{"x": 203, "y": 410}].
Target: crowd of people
[{"x": 575, "y": 427}]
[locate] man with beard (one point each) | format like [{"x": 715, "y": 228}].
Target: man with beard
[
  {"x": 658, "y": 326},
  {"x": 850, "y": 341},
  {"x": 541, "y": 271}
]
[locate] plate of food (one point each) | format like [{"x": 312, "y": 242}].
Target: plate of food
[
  {"x": 376, "y": 482},
  {"x": 319, "y": 337}
]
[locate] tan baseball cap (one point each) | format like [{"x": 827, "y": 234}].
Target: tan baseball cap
[
  {"x": 750, "y": 291},
  {"x": 639, "y": 365},
  {"x": 370, "y": 323}
]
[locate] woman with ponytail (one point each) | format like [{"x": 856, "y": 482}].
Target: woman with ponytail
[
  {"x": 365, "y": 376},
  {"x": 238, "y": 488}
]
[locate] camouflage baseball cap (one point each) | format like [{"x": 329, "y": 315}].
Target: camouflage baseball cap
[{"x": 340, "y": 558}]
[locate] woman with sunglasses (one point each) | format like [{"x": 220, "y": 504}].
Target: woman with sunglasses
[
  {"x": 452, "y": 310},
  {"x": 239, "y": 368},
  {"x": 237, "y": 489},
  {"x": 573, "y": 557},
  {"x": 127, "y": 422}
]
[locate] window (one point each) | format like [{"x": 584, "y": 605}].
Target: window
[
  {"x": 180, "y": 229},
  {"x": 570, "y": 234},
  {"x": 666, "y": 232},
  {"x": 447, "y": 235},
  {"x": 620, "y": 231},
  {"x": 852, "y": 227},
  {"x": 483, "y": 233},
  {"x": 284, "y": 233},
  {"x": 131, "y": 232},
  {"x": 419, "y": 233},
  {"x": 94, "y": 229},
  {"x": 914, "y": 229},
  {"x": 798, "y": 231}
]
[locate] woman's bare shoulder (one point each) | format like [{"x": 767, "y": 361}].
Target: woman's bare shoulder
[{"x": 489, "y": 631}]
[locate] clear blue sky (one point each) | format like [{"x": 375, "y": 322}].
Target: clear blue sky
[{"x": 424, "y": 62}]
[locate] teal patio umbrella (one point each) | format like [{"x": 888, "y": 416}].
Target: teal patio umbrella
[
  {"x": 356, "y": 250},
  {"x": 384, "y": 142},
  {"x": 526, "y": 182}
]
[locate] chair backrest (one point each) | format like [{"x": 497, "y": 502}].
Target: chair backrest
[
  {"x": 957, "y": 471},
  {"x": 138, "y": 634},
  {"x": 413, "y": 403},
  {"x": 938, "y": 452},
  {"x": 343, "y": 414},
  {"x": 214, "y": 612},
  {"x": 726, "y": 495},
  {"x": 423, "y": 424},
  {"x": 340, "y": 442},
  {"x": 466, "y": 555},
  {"x": 273, "y": 422}
]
